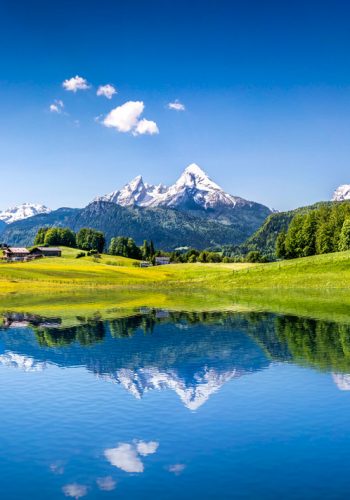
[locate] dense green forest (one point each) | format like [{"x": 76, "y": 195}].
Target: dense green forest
[{"x": 322, "y": 230}]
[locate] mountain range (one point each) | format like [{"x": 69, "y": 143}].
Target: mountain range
[
  {"x": 193, "y": 190},
  {"x": 194, "y": 211}
]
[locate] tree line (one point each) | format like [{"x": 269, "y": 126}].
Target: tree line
[
  {"x": 94, "y": 241},
  {"x": 85, "y": 239},
  {"x": 126, "y": 247},
  {"x": 322, "y": 230}
]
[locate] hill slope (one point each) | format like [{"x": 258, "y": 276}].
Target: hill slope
[
  {"x": 166, "y": 227},
  {"x": 264, "y": 239}
]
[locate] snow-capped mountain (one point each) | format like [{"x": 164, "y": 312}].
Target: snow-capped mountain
[
  {"x": 342, "y": 381},
  {"x": 136, "y": 192},
  {"x": 193, "y": 189},
  {"x": 342, "y": 193},
  {"x": 25, "y": 363},
  {"x": 23, "y": 211},
  {"x": 193, "y": 393}
]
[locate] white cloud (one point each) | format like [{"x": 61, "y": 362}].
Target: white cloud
[
  {"x": 176, "y": 468},
  {"x": 126, "y": 118},
  {"x": 75, "y": 83},
  {"x": 75, "y": 490},
  {"x": 57, "y": 106},
  {"x": 147, "y": 448},
  {"x": 106, "y": 483},
  {"x": 176, "y": 105},
  {"x": 126, "y": 456},
  {"x": 106, "y": 90},
  {"x": 57, "y": 467},
  {"x": 146, "y": 127}
]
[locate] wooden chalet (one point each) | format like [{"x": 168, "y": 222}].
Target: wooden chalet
[
  {"x": 21, "y": 254},
  {"x": 49, "y": 251},
  {"x": 16, "y": 254},
  {"x": 162, "y": 261}
]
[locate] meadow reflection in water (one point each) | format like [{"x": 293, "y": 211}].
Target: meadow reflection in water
[{"x": 80, "y": 436}]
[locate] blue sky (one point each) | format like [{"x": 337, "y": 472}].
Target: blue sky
[{"x": 265, "y": 85}]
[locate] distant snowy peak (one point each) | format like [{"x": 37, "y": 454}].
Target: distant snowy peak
[
  {"x": 196, "y": 188},
  {"x": 136, "y": 192},
  {"x": 342, "y": 193},
  {"x": 23, "y": 211},
  {"x": 193, "y": 189},
  {"x": 193, "y": 393}
]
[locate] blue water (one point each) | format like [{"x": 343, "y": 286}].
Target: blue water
[{"x": 161, "y": 405}]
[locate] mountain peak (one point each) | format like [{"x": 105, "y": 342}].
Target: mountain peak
[
  {"x": 194, "y": 177},
  {"x": 23, "y": 211},
  {"x": 193, "y": 190},
  {"x": 135, "y": 181},
  {"x": 194, "y": 169},
  {"x": 342, "y": 193}
]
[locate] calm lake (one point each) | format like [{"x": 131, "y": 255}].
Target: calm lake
[{"x": 159, "y": 404}]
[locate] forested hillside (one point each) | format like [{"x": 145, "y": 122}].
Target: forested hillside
[
  {"x": 168, "y": 228},
  {"x": 325, "y": 229},
  {"x": 264, "y": 239}
]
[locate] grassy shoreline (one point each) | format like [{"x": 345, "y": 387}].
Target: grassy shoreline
[{"x": 314, "y": 286}]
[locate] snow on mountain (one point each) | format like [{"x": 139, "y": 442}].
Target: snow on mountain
[
  {"x": 193, "y": 189},
  {"x": 25, "y": 363},
  {"x": 342, "y": 381},
  {"x": 193, "y": 394},
  {"x": 23, "y": 211},
  {"x": 136, "y": 192},
  {"x": 342, "y": 193}
]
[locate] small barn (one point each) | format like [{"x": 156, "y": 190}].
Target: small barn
[
  {"x": 16, "y": 254},
  {"x": 144, "y": 263},
  {"x": 161, "y": 261},
  {"x": 49, "y": 251}
]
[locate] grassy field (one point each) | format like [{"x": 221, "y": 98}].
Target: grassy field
[
  {"x": 314, "y": 286},
  {"x": 318, "y": 272}
]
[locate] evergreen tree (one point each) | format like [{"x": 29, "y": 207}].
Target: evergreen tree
[
  {"x": 280, "y": 245},
  {"x": 40, "y": 236},
  {"x": 68, "y": 238},
  {"x": 324, "y": 238},
  {"x": 309, "y": 230},
  {"x": 344, "y": 238},
  {"x": 151, "y": 249},
  {"x": 145, "y": 250},
  {"x": 125, "y": 247},
  {"x": 294, "y": 243},
  {"x": 90, "y": 239},
  {"x": 52, "y": 236}
]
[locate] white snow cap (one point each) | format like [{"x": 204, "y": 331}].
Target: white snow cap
[
  {"x": 193, "y": 186},
  {"x": 342, "y": 193},
  {"x": 23, "y": 211}
]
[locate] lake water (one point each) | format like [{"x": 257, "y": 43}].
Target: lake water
[{"x": 174, "y": 405}]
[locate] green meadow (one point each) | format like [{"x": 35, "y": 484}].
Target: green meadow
[{"x": 313, "y": 286}]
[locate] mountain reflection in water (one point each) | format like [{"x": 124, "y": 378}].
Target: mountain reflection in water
[{"x": 193, "y": 354}]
